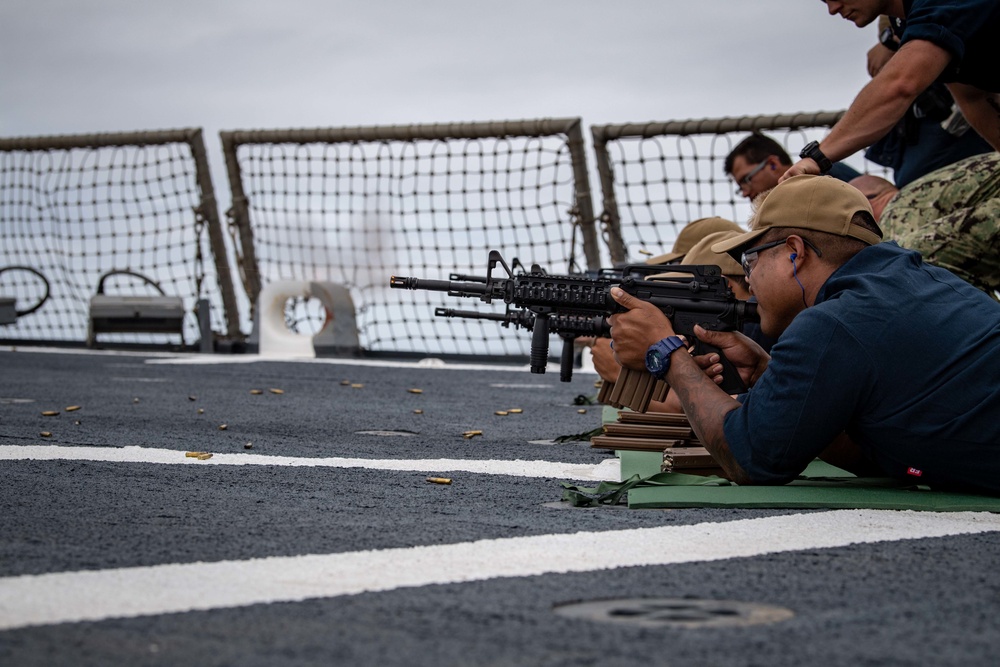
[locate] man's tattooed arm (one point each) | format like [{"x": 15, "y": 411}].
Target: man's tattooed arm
[{"x": 706, "y": 406}]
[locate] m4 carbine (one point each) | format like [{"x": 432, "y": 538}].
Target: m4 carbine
[{"x": 687, "y": 295}]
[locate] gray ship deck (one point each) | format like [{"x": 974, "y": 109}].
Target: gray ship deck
[{"x": 324, "y": 543}]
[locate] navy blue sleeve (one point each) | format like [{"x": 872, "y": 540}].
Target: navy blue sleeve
[
  {"x": 809, "y": 394},
  {"x": 844, "y": 172},
  {"x": 947, "y": 24}
]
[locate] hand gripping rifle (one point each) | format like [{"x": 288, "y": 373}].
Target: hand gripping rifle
[{"x": 688, "y": 295}]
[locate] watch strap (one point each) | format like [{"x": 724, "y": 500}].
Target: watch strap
[
  {"x": 887, "y": 38},
  {"x": 665, "y": 348},
  {"x": 813, "y": 152}
]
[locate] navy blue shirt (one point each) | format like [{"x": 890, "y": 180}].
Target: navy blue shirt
[
  {"x": 968, "y": 29},
  {"x": 901, "y": 355}
]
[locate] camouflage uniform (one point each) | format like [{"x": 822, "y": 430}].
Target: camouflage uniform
[{"x": 952, "y": 216}]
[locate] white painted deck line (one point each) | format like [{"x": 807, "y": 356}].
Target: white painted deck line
[
  {"x": 607, "y": 470},
  {"x": 70, "y": 597}
]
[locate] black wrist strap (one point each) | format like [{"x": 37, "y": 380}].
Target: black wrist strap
[
  {"x": 887, "y": 39},
  {"x": 813, "y": 152}
]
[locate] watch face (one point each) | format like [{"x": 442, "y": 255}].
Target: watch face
[{"x": 654, "y": 362}]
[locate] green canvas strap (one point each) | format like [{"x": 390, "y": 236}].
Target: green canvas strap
[
  {"x": 610, "y": 493},
  {"x": 605, "y": 493}
]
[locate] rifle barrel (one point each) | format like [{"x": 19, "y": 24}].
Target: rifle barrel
[
  {"x": 470, "y": 314},
  {"x": 457, "y": 288}
]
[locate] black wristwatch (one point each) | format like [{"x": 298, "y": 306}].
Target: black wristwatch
[
  {"x": 813, "y": 152},
  {"x": 887, "y": 38}
]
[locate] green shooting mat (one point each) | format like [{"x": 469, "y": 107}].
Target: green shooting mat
[
  {"x": 821, "y": 486},
  {"x": 808, "y": 493}
]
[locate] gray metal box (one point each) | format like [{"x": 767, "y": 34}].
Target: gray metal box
[{"x": 135, "y": 314}]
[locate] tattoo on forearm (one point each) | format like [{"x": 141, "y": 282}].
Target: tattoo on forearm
[{"x": 706, "y": 405}]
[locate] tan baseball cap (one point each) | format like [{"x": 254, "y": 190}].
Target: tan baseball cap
[
  {"x": 692, "y": 233},
  {"x": 702, "y": 253},
  {"x": 822, "y": 203}
]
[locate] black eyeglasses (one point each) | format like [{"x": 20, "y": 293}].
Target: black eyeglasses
[
  {"x": 745, "y": 181},
  {"x": 749, "y": 257}
]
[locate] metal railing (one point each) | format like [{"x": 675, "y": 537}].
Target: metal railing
[
  {"x": 77, "y": 206},
  {"x": 354, "y": 206},
  {"x": 357, "y": 205}
]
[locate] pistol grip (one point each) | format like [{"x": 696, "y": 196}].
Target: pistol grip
[{"x": 732, "y": 383}]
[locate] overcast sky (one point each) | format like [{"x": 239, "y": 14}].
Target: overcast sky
[{"x": 72, "y": 66}]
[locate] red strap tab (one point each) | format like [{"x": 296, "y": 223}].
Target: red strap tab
[{"x": 915, "y": 472}]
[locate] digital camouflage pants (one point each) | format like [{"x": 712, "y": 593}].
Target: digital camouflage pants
[{"x": 952, "y": 216}]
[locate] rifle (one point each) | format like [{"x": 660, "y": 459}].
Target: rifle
[{"x": 688, "y": 295}]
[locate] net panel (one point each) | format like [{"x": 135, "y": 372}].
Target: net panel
[
  {"x": 356, "y": 212},
  {"x": 658, "y": 177},
  {"x": 76, "y": 212}
]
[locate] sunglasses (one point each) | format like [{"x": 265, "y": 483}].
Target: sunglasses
[{"x": 749, "y": 257}]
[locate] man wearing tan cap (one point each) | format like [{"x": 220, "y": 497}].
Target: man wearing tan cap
[
  {"x": 883, "y": 363},
  {"x": 692, "y": 233},
  {"x": 699, "y": 254}
]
